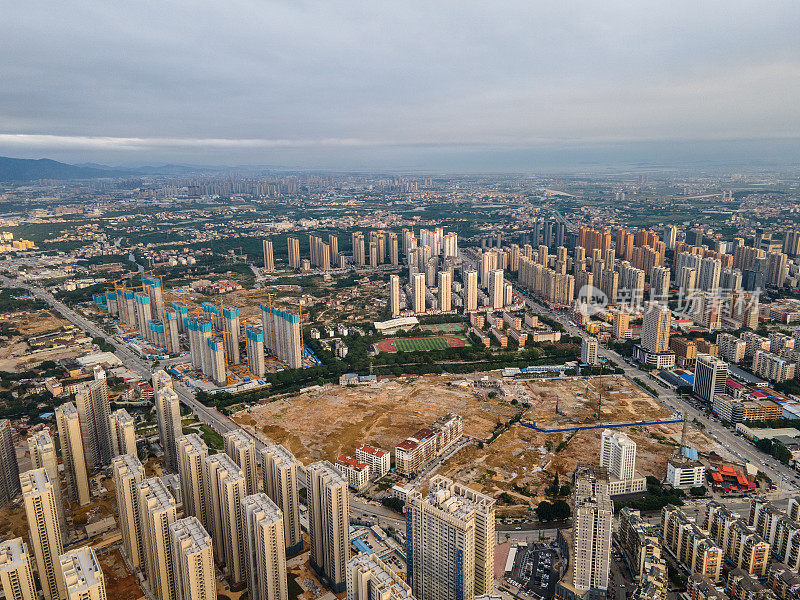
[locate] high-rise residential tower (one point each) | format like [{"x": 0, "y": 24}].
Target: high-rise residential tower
[
  {"x": 83, "y": 577},
  {"x": 242, "y": 449},
  {"x": 279, "y": 468},
  {"x": 282, "y": 335},
  {"x": 451, "y": 541},
  {"x": 16, "y": 574},
  {"x": 168, "y": 415},
  {"x": 9, "y": 469},
  {"x": 123, "y": 433},
  {"x": 227, "y": 487},
  {"x": 269, "y": 256},
  {"x": 394, "y": 295},
  {"x": 656, "y": 328},
  {"x": 328, "y": 523},
  {"x": 294, "y": 252},
  {"x": 710, "y": 377},
  {"x": 369, "y": 578},
  {"x": 593, "y": 513},
  {"x": 265, "y": 552},
  {"x": 75, "y": 472},
  {"x": 193, "y": 558},
  {"x": 158, "y": 511},
  {"x": 618, "y": 454},
  {"x": 471, "y": 290},
  {"x": 44, "y": 533},
  {"x": 418, "y": 291},
  {"x": 192, "y": 453},
  {"x": 128, "y": 474},
  {"x": 43, "y": 456},
  {"x": 445, "y": 290},
  {"x": 254, "y": 339},
  {"x": 94, "y": 410}
]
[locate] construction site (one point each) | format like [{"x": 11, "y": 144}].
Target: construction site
[
  {"x": 333, "y": 420},
  {"x": 232, "y": 341},
  {"x": 522, "y": 461},
  {"x": 505, "y": 456},
  {"x": 608, "y": 399}
]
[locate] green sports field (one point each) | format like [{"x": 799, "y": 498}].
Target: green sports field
[{"x": 419, "y": 344}]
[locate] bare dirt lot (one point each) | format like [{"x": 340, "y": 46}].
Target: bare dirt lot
[
  {"x": 528, "y": 459},
  {"x": 15, "y": 353},
  {"x": 120, "y": 584},
  {"x": 326, "y": 423},
  {"x": 578, "y": 400}
]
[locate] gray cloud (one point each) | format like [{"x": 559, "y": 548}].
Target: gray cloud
[{"x": 251, "y": 79}]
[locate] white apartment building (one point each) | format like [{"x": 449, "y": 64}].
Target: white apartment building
[
  {"x": 356, "y": 472},
  {"x": 379, "y": 461},
  {"x": 589, "y": 351}
]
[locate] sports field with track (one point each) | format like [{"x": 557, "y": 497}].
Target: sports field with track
[{"x": 420, "y": 344}]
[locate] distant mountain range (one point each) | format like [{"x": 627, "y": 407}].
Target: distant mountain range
[{"x": 23, "y": 169}]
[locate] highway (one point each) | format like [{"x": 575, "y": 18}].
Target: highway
[
  {"x": 208, "y": 415},
  {"x": 739, "y": 447}
]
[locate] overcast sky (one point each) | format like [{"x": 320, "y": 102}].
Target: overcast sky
[{"x": 337, "y": 83}]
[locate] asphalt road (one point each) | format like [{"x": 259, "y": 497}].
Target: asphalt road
[
  {"x": 781, "y": 474},
  {"x": 208, "y": 415}
]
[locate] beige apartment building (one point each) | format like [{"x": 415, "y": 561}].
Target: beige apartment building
[
  {"x": 328, "y": 523},
  {"x": 241, "y": 448},
  {"x": 75, "y": 471},
  {"x": 193, "y": 558},
  {"x": 192, "y": 452},
  {"x": 227, "y": 486},
  {"x": 279, "y": 469},
  {"x": 158, "y": 511},
  {"x": 43, "y": 530},
  {"x": 128, "y": 474},
  {"x": 16, "y": 574},
  {"x": 265, "y": 551},
  {"x": 82, "y": 575},
  {"x": 43, "y": 456}
]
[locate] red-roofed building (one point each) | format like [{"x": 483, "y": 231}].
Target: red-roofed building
[
  {"x": 379, "y": 461},
  {"x": 356, "y": 472},
  {"x": 412, "y": 454},
  {"x": 730, "y": 480},
  {"x": 734, "y": 388}
]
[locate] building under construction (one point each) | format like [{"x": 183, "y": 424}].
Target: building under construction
[{"x": 212, "y": 331}]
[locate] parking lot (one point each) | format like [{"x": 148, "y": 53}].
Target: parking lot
[{"x": 533, "y": 569}]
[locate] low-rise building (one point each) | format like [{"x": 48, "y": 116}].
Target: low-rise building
[
  {"x": 413, "y": 453},
  {"x": 355, "y": 471},
  {"x": 379, "y": 461},
  {"x": 685, "y": 473}
]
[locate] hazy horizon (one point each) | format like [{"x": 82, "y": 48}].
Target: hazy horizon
[{"x": 452, "y": 86}]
